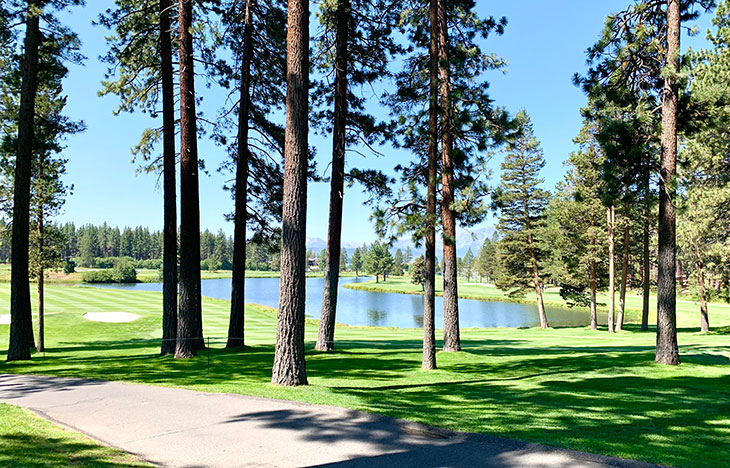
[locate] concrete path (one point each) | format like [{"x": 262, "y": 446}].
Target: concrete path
[{"x": 184, "y": 428}]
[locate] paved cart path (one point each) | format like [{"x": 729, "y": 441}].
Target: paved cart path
[{"x": 184, "y": 428}]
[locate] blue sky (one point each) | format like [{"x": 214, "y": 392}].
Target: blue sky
[{"x": 544, "y": 43}]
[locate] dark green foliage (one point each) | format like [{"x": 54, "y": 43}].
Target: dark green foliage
[
  {"x": 478, "y": 127},
  {"x": 378, "y": 260},
  {"x": 417, "y": 271},
  {"x": 521, "y": 204}
]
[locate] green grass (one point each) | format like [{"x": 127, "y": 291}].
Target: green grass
[
  {"x": 27, "y": 440},
  {"x": 567, "y": 387}
]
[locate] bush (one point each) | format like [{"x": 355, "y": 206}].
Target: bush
[
  {"x": 97, "y": 276},
  {"x": 124, "y": 272},
  {"x": 69, "y": 266}
]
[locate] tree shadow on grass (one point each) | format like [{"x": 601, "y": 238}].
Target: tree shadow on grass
[{"x": 23, "y": 451}]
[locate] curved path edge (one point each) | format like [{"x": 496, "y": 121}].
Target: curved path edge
[{"x": 174, "y": 427}]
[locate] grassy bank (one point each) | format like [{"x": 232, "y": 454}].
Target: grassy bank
[
  {"x": 27, "y": 440},
  {"x": 566, "y": 387}
]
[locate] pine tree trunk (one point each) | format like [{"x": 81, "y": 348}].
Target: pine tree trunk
[
  {"x": 452, "y": 340},
  {"x": 190, "y": 333},
  {"x": 429, "y": 257},
  {"x": 21, "y": 319},
  {"x": 704, "y": 319},
  {"x": 624, "y": 276},
  {"x": 289, "y": 363},
  {"x": 535, "y": 270},
  {"x": 611, "y": 219},
  {"x": 41, "y": 341},
  {"x": 594, "y": 312},
  {"x": 667, "y": 348},
  {"x": 236, "y": 324},
  {"x": 326, "y": 336},
  {"x": 169, "y": 248},
  {"x": 646, "y": 261}
]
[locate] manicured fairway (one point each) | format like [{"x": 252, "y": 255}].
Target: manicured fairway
[
  {"x": 27, "y": 440},
  {"x": 567, "y": 387}
]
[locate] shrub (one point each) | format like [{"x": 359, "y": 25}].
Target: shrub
[
  {"x": 124, "y": 272},
  {"x": 69, "y": 267},
  {"x": 97, "y": 276}
]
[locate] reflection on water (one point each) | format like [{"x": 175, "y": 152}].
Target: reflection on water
[{"x": 362, "y": 308}]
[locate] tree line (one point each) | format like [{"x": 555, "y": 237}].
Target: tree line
[{"x": 652, "y": 151}]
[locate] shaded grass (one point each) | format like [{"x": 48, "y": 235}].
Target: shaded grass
[
  {"x": 27, "y": 440},
  {"x": 567, "y": 387}
]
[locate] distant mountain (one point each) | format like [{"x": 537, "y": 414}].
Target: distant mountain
[{"x": 466, "y": 239}]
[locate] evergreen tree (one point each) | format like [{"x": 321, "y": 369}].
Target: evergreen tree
[
  {"x": 289, "y": 362},
  {"x": 356, "y": 45},
  {"x": 521, "y": 204},
  {"x": 417, "y": 271},
  {"x": 141, "y": 73},
  {"x": 487, "y": 260},
  {"x": 356, "y": 263}
]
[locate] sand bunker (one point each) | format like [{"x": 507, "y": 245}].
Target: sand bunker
[
  {"x": 111, "y": 317},
  {"x": 5, "y": 319}
]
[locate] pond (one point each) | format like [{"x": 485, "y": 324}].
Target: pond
[{"x": 363, "y": 308}]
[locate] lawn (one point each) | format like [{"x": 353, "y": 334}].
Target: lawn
[
  {"x": 27, "y": 440},
  {"x": 567, "y": 387}
]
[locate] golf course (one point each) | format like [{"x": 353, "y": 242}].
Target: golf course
[{"x": 566, "y": 387}]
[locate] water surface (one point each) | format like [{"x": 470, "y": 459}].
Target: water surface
[{"x": 364, "y": 308}]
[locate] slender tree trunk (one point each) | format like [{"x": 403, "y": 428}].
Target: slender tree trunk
[
  {"x": 624, "y": 274},
  {"x": 169, "y": 248},
  {"x": 21, "y": 318},
  {"x": 326, "y": 336},
  {"x": 238, "y": 284},
  {"x": 611, "y": 221},
  {"x": 704, "y": 319},
  {"x": 667, "y": 348},
  {"x": 452, "y": 340},
  {"x": 594, "y": 312},
  {"x": 190, "y": 325},
  {"x": 429, "y": 257},
  {"x": 536, "y": 281},
  {"x": 289, "y": 363},
  {"x": 646, "y": 260},
  {"x": 535, "y": 270},
  {"x": 41, "y": 341}
]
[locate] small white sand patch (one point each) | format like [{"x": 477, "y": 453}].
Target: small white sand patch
[
  {"x": 5, "y": 319},
  {"x": 111, "y": 317}
]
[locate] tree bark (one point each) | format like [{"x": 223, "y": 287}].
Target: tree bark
[
  {"x": 41, "y": 341},
  {"x": 429, "y": 258},
  {"x": 704, "y": 319},
  {"x": 646, "y": 261},
  {"x": 238, "y": 283},
  {"x": 667, "y": 348},
  {"x": 326, "y": 336},
  {"x": 594, "y": 312},
  {"x": 21, "y": 320},
  {"x": 169, "y": 248},
  {"x": 452, "y": 340},
  {"x": 611, "y": 220},
  {"x": 190, "y": 325},
  {"x": 535, "y": 270},
  {"x": 624, "y": 274},
  {"x": 289, "y": 363}
]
